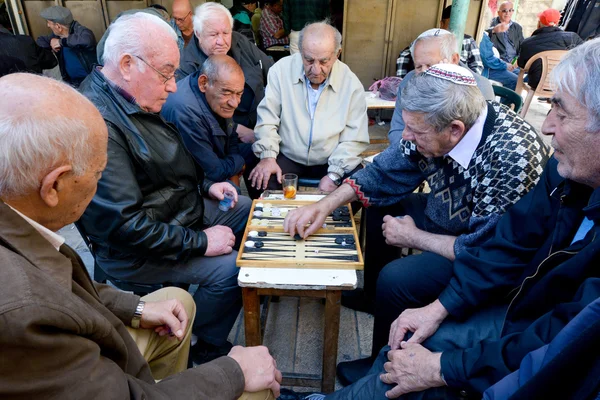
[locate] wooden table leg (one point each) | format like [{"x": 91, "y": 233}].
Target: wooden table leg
[
  {"x": 252, "y": 316},
  {"x": 330, "y": 339}
]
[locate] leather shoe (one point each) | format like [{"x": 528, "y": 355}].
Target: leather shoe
[
  {"x": 358, "y": 300},
  {"x": 203, "y": 352},
  {"x": 349, "y": 372}
]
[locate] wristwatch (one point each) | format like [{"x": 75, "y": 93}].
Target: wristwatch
[
  {"x": 335, "y": 178},
  {"x": 137, "y": 315}
]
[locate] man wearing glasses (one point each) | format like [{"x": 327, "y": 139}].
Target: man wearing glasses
[
  {"x": 506, "y": 34},
  {"x": 155, "y": 218},
  {"x": 183, "y": 17}
]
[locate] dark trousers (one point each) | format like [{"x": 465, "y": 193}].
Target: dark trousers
[{"x": 250, "y": 160}]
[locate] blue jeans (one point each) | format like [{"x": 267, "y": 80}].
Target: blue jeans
[
  {"x": 507, "y": 78},
  {"x": 451, "y": 335}
]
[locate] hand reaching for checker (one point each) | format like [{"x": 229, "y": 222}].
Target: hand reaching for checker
[{"x": 297, "y": 220}]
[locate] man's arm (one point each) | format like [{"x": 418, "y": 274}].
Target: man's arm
[
  {"x": 404, "y": 63},
  {"x": 44, "y": 41},
  {"x": 82, "y": 38},
  {"x": 473, "y": 56},
  {"x": 397, "y": 124}
]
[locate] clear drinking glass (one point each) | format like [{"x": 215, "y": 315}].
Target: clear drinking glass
[{"x": 290, "y": 185}]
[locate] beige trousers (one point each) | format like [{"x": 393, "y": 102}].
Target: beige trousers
[{"x": 167, "y": 356}]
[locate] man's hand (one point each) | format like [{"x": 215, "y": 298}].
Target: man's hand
[
  {"x": 400, "y": 231},
  {"x": 423, "y": 322},
  {"x": 55, "y": 44},
  {"x": 166, "y": 317},
  {"x": 327, "y": 185},
  {"x": 245, "y": 134},
  {"x": 217, "y": 190},
  {"x": 220, "y": 240},
  {"x": 260, "y": 369},
  {"x": 313, "y": 215},
  {"x": 262, "y": 172},
  {"x": 501, "y": 27},
  {"x": 509, "y": 66},
  {"x": 412, "y": 369}
]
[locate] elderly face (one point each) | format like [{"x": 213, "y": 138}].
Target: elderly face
[
  {"x": 575, "y": 148},
  {"x": 277, "y": 8},
  {"x": 250, "y": 6},
  {"x": 182, "y": 14},
  {"x": 215, "y": 37},
  {"x": 427, "y": 53},
  {"x": 223, "y": 95},
  {"x": 505, "y": 12},
  {"x": 429, "y": 142},
  {"x": 318, "y": 57}
]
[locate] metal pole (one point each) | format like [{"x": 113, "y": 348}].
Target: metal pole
[{"x": 458, "y": 20}]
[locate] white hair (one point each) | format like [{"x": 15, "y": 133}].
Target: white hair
[
  {"x": 447, "y": 44},
  {"x": 578, "y": 74},
  {"x": 325, "y": 24},
  {"x": 127, "y": 35},
  {"x": 32, "y": 145},
  {"x": 208, "y": 11}
]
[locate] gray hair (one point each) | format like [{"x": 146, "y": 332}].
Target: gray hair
[
  {"x": 447, "y": 43},
  {"x": 31, "y": 145},
  {"x": 578, "y": 74},
  {"x": 325, "y": 24},
  {"x": 128, "y": 35},
  {"x": 212, "y": 68},
  {"x": 208, "y": 11},
  {"x": 442, "y": 101}
]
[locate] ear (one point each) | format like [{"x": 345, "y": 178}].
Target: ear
[
  {"x": 338, "y": 53},
  {"x": 53, "y": 183},
  {"x": 455, "y": 58},
  {"x": 125, "y": 64},
  {"x": 203, "y": 83},
  {"x": 457, "y": 131}
]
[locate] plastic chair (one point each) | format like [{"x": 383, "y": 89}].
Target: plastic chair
[
  {"x": 509, "y": 98},
  {"x": 549, "y": 60}
]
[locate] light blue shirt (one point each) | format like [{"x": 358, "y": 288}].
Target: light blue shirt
[
  {"x": 584, "y": 228},
  {"x": 313, "y": 96}
]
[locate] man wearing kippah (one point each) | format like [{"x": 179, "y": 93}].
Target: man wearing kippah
[
  {"x": 73, "y": 44},
  {"x": 478, "y": 158}
]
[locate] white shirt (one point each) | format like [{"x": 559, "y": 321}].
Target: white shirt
[
  {"x": 463, "y": 152},
  {"x": 55, "y": 239}
]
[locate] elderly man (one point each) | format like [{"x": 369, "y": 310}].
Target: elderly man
[
  {"x": 506, "y": 34},
  {"x": 542, "y": 257},
  {"x": 478, "y": 158},
  {"x": 78, "y": 338},
  {"x": 313, "y": 120},
  {"x": 154, "y": 219},
  {"x": 202, "y": 109},
  {"x": 271, "y": 25},
  {"x": 73, "y": 44},
  {"x": 432, "y": 47},
  {"x": 183, "y": 17}
]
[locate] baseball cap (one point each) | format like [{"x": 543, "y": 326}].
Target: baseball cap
[{"x": 549, "y": 17}]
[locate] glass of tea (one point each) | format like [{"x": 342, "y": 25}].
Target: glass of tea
[{"x": 290, "y": 185}]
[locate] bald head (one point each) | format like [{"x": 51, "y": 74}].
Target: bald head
[
  {"x": 182, "y": 14},
  {"x": 320, "y": 45},
  {"x": 219, "y": 66},
  {"x": 320, "y": 32}
]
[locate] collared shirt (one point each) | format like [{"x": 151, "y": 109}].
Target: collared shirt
[
  {"x": 463, "y": 152},
  {"x": 54, "y": 238},
  {"x": 270, "y": 23},
  {"x": 313, "y": 95}
]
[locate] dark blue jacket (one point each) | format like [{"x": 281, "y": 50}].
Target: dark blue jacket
[
  {"x": 215, "y": 150},
  {"x": 531, "y": 263}
]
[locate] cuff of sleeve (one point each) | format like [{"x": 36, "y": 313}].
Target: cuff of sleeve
[
  {"x": 125, "y": 306},
  {"x": 268, "y": 154},
  {"x": 202, "y": 242},
  {"x": 452, "y": 370},
  {"x": 359, "y": 193},
  {"x": 228, "y": 370},
  {"x": 452, "y": 302},
  {"x": 206, "y": 184},
  {"x": 336, "y": 170}
]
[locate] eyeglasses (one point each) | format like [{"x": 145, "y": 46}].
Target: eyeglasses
[
  {"x": 180, "y": 20},
  {"x": 507, "y": 11},
  {"x": 167, "y": 78}
]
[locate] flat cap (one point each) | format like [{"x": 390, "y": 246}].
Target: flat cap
[{"x": 58, "y": 14}]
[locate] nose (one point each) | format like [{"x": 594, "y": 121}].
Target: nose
[
  {"x": 233, "y": 101},
  {"x": 171, "y": 85},
  {"x": 549, "y": 124},
  {"x": 406, "y": 135}
]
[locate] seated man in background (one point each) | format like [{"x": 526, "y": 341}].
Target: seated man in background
[
  {"x": 478, "y": 158},
  {"x": 213, "y": 26},
  {"x": 73, "y": 44},
  {"x": 65, "y": 336},
  {"x": 547, "y": 36},
  {"x": 469, "y": 54},
  {"x": 497, "y": 69},
  {"x": 433, "y": 46},
  {"x": 183, "y": 16},
  {"x": 202, "y": 108},
  {"x": 506, "y": 34},
  {"x": 271, "y": 25},
  {"x": 242, "y": 12},
  {"x": 154, "y": 219},
  {"x": 313, "y": 119}
]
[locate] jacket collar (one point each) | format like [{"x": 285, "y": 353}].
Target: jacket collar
[
  {"x": 110, "y": 90},
  {"x": 546, "y": 29},
  {"x": 24, "y": 240},
  {"x": 334, "y": 80}
]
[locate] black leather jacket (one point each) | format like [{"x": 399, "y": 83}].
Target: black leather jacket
[{"x": 148, "y": 204}]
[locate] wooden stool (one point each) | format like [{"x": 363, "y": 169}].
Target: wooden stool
[{"x": 317, "y": 283}]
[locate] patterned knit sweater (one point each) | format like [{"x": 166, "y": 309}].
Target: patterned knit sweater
[{"x": 467, "y": 203}]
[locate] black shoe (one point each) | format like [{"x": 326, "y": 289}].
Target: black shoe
[
  {"x": 203, "y": 352},
  {"x": 357, "y": 300},
  {"x": 349, "y": 372}
]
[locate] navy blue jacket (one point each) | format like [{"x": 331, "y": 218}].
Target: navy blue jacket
[
  {"x": 215, "y": 150},
  {"x": 530, "y": 262}
]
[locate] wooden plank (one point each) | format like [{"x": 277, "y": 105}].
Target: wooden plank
[
  {"x": 297, "y": 279},
  {"x": 251, "y": 316},
  {"x": 330, "y": 339}
]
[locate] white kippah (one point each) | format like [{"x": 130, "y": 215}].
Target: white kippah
[
  {"x": 453, "y": 73},
  {"x": 427, "y": 33}
]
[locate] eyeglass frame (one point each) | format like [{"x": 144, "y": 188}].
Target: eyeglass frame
[
  {"x": 182, "y": 19},
  {"x": 167, "y": 78},
  {"x": 510, "y": 10}
]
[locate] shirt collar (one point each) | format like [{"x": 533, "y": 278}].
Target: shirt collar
[
  {"x": 463, "y": 152},
  {"x": 55, "y": 239}
]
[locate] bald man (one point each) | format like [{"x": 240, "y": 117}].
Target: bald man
[
  {"x": 313, "y": 119},
  {"x": 202, "y": 109},
  {"x": 183, "y": 16},
  {"x": 506, "y": 34}
]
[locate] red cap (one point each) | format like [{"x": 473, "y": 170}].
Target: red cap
[{"x": 549, "y": 17}]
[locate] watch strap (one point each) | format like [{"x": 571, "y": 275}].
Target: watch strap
[{"x": 137, "y": 315}]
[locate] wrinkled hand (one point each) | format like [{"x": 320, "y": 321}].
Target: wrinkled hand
[
  {"x": 217, "y": 190},
  {"x": 245, "y": 134},
  {"x": 166, "y": 317},
  {"x": 501, "y": 27},
  {"x": 400, "y": 231},
  {"x": 313, "y": 215},
  {"x": 327, "y": 185},
  {"x": 510, "y": 67},
  {"x": 259, "y": 367},
  {"x": 220, "y": 240},
  {"x": 262, "y": 172},
  {"x": 423, "y": 322},
  {"x": 55, "y": 44},
  {"x": 412, "y": 369}
]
